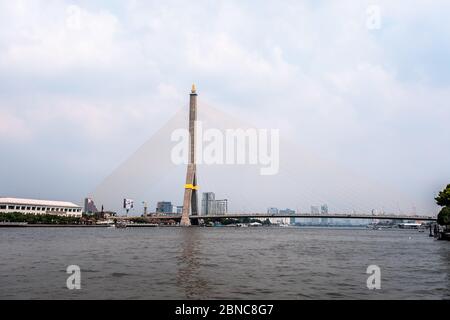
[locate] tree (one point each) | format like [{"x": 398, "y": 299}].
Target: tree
[
  {"x": 443, "y": 199},
  {"x": 444, "y": 216},
  {"x": 38, "y": 219}
]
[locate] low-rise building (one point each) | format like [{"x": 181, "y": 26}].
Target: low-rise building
[{"x": 39, "y": 207}]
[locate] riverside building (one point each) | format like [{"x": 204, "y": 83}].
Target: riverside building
[{"x": 39, "y": 207}]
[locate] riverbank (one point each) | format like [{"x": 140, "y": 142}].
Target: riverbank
[{"x": 25, "y": 225}]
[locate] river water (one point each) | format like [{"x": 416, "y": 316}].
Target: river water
[{"x": 222, "y": 263}]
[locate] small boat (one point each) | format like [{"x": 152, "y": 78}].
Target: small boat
[{"x": 121, "y": 225}]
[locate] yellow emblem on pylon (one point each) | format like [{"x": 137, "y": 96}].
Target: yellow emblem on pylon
[{"x": 191, "y": 186}]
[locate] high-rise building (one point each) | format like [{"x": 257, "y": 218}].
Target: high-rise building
[
  {"x": 208, "y": 199},
  {"x": 164, "y": 207},
  {"x": 272, "y": 210},
  {"x": 220, "y": 207},
  {"x": 211, "y": 206}
]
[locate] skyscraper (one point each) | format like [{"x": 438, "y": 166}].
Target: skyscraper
[
  {"x": 208, "y": 199},
  {"x": 211, "y": 206}
]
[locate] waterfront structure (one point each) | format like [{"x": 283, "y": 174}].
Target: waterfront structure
[
  {"x": 287, "y": 212},
  {"x": 273, "y": 211},
  {"x": 39, "y": 207},
  {"x": 89, "y": 206},
  {"x": 280, "y": 220},
  {"x": 190, "y": 202}
]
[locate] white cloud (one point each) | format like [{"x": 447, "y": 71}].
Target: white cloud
[
  {"x": 49, "y": 38},
  {"x": 371, "y": 99},
  {"x": 13, "y": 128}
]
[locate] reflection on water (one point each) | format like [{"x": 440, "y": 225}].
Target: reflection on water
[{"x": 189, "y": 277}]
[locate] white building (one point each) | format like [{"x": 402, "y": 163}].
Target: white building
[
  {"x": 39, "y": 207},
  {"x": 280, "y": 220}
]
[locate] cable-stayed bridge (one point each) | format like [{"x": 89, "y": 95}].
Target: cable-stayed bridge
[{"x": 304, "y": 179}]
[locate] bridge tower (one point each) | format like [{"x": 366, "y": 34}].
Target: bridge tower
[{"x": 190, "y": 203}]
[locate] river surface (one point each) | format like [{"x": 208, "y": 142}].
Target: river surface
[{"x": 222, "y": 263}]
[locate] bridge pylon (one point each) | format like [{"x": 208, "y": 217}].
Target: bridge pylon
[{"x": 190, "y": 202}]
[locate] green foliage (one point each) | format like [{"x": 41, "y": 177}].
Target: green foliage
[
  {"x": 444, "y": 216},
  {"x": 226, "y": 222},
  {"x": 139, "y": 220},
  {"x": 443, "y": 199},
  {"x": 37, "y": 219}
]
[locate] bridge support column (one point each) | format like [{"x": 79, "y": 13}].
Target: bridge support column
[{"x": 190, "y": 202}]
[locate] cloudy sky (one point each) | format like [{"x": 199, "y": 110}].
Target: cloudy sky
[{"x": 83, "y": 84}]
